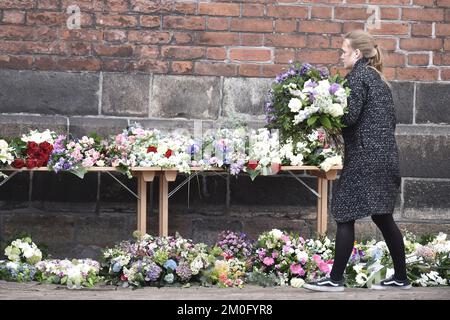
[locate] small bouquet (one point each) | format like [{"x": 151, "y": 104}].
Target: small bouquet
[{"x": 6, "y": 156}]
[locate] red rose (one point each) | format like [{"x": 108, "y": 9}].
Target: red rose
[
  {"x": 152, "y": 149},
  {"x": 123, "y": 277},
  {"x": 31, "y": 163},
  {"x": 252, "y": 164},
  {"x": 47, "y": 147},
  {"x": 18, "y": 163},
  {"x": 32, "y": 145},
  {"x": 39, "y": 163},
  {"x": 168, "y": 153}
]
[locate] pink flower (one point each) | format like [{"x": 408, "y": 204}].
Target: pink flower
[
  {"x": 316, "y": 258},
  {"x": 268, "y": 261},
  {"x": 297, "y": 269},
  {"x": 324, "y": 267},
  {"x": 274, "y": 254},
  {"x": 285, "y": 238},
  {"x": 286, "y": 249}
]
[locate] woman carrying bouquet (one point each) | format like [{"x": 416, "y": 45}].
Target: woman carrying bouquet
[{"x": 370, "y": 179}]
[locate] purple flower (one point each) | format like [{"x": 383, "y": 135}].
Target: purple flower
[
  {"x": 153, "y": 273},
  {"x": 184, "y": 271},
  {"x": 324, "y": 73},
  {"x": 334, "y": 87}
]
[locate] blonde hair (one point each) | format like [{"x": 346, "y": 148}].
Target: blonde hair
[{"x": 364, "y": 41}]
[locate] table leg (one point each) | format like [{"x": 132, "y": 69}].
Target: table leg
[
  {"x": 142, "y": 204},
  {"x": 163, "y": 206},
  {"x": 322, "y": 206}
]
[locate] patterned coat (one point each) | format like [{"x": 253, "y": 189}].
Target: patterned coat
[{"x": 370, "y": 180}]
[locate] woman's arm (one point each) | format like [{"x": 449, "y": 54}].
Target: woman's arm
[{"x": 355, "y": 101}]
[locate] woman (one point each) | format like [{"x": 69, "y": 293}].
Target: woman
[{"x": 370, "y": 180}]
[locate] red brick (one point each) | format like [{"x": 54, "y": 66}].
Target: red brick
[
  {"x": 182, "y": 37},
  {"x": 182, "y": 67},
  {"x": 253, "y": 25},
  {"x": 151, "y": 66},
  {"x": 15, "y": 62},
  {"x": 390, "y": 2},
  {"x": 320, "y": 27},
  {"x": 219, "y": 9},
  {"x": 150, "y": 21},
  {"x": 442, "y": 29},
  {"x": 284, "y": 55},
  {"x": 16, "y": 4},
  {"x": 113, "y": 50},
  {"x": 48, "y": 4},
  {"x": 184, "y": 8},
  {"x": 420, "y": 44},
  {"x": 214, "y": 23},
  {"x": 13, "y": 17},
  {"x": 215, "y": 69},
  {"x": 286, "y": 41},
  {"x": 421, "y": 29},
  {"x": 250, "y": 70},
  {"x": 251, "y": 39},
  {"x": 441, "y": 59},
  {"x": 252, "y": 10},
  {"x": 392, "y": 59},
  {"x": 348, "y": 13},
  {"x": 445, "y": 74},
  {"x": 386, "y": 43},
  {"x": 45, "y": 63},
  {"x": 79, "y": 64},
  {"x": 443, "y": 3},
  {"x": 81, "y": 34},
  {"x": 148, "y": 37},
  {"x": 413, "y": 14},
  {"x": 46, "y": 18},
  {"x": 77, "y": 48},
  {"x": 116, "y": 65},
  {"x": 319, "y": 56},
  {"x": 246, "y": 54},
  {"x": 418, "y": 59},
  {"x": 85, "y": 5},
  {"x": 321, "y": 12},
  {"x": 188, "y": 23},
  {"x": 119, "y": 21},
  {"x": 150, "y": 52},
  {"x": 285, "y": 26},
  {"x": 316, "y": 41},
  {"x": 271, "y": 70},
  {"x": 182, "y": 52},
  {"x": 350, "y": 26},
  {"x": 116, "y": 6},
  {"x": 215, "y": 53},
  {"x": 388, "y": 28},
  {"x": 287, "y": 12},
  {"x": 426, "y": 74},
  {"x": 218, "y": 38},
  {"x": 145, "y": 6},
  {"x": 429, "y": 3},
  {"x": 447, "y": 45},
  {"x": 17, "y": 32},
  {"x": 390, "y": 13},
  {"x": 115, "y": 35}
]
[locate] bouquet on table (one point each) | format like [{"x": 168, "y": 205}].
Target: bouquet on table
[
  {"x": 6, "y": 156},
  {"x": 76, "y": 156},
  {"x": 303, "y": 101},
  {"x": 33, "y": 150}
]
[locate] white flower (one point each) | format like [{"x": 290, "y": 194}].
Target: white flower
[
  {"x": 295, "y": 105},
  {"x": 277, "y": 234},
  {"x": 100, "y": 163},
  {"x": 297, "y": 282},
  {"x": 335, "y": 110},
  {"x": 358, "y": 267},
  {"x": 330, "y": 162},
  {"x": 361, "y": 278}
]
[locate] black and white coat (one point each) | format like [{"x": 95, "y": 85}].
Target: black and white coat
[{"x": 370, "y": 180}]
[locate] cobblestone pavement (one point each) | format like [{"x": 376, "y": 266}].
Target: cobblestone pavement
[{"x": 37, "y": 291}]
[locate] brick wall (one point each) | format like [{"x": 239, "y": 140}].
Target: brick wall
[
  {"x": 173, "y": 64},
  {"x": 253, "y": 38}
]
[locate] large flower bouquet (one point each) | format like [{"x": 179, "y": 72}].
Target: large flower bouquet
[
  {"x": 76, "y": 156},
  {"x": 75, "y": 274},
  {"x": 33, "y": 150},
  {"x": 302, "y": 101},
  {"x": 155, "y": 261},
  {"x": 285, "y": 259}
]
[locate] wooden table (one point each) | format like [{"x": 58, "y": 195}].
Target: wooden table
[{"x": 145, "y": 175}]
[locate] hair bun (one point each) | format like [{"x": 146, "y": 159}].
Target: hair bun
[{"x": 375, "y": 46}]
